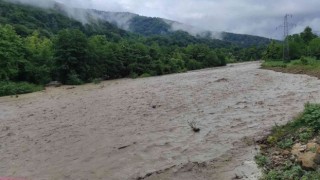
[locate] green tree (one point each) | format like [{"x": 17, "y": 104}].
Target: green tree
[
  {"x": 104, "y": 62},
  {"x": 40, "y": 58},
  {"x": 307, "y": 35},
  {"x": 11, "y": 53},
  {"x": 197, "y": 52},
  {"x": 71, "y": 56},
  {"x": 211, "y": 59},
  {"x": 315, "y": 47},
  {"x": 273, "y": 51}
]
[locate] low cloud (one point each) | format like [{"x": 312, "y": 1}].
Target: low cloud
[{"x": 241, "y": 16}]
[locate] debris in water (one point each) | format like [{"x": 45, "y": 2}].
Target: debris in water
[
  {"x": 193, "y": 126},
  {"x": 222, "y": 80},
  {"x": 123, "y": 147}
]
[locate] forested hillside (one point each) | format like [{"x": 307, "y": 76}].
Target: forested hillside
[
  {"x": 27, "y": 19},
  {"x": 157, "y": 26},
  {"x": 42, "y": 45}
]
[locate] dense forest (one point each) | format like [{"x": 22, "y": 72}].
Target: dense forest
[
  {"x": 149, "y": 26},
  {"x": 38, "y": 46}
]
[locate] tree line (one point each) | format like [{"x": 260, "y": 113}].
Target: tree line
[
  {"x": 73, "y": 58},
  {"x": 39, "y": 46},
  {"x": 306, "y": 44}
]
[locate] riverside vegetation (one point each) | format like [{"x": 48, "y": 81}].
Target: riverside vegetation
[
  {"x": 304, "y": 54},
  {"x": 292, "y": 151},
  {"x": 38, "y": 46}
]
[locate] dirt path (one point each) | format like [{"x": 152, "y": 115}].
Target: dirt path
[{"x": 125, "y": 129}]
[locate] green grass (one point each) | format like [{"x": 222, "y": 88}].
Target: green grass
[
  {"x": 145, "y": 75},
  {"x": 304, "y": 65},
  {"x": 302, "y": 129},
  {"x": 14, "y": 88},
  {"x": 267, "y": 64},
  {"x": 304, "y": 62},
  {"x": 261, "y": 160}
]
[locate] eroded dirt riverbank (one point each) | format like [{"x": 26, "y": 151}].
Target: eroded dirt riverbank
[{"x": 125, "y": 129}]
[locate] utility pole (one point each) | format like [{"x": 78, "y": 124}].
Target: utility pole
[{"x": 286, "y": 48}]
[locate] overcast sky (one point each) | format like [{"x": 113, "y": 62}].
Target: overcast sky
[{"x": 256, "y": 17}]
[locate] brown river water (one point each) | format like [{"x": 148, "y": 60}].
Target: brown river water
[{"x": 138, "y": 128}]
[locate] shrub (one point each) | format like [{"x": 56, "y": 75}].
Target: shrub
[
  {"x": 73, "y": 79},
  {"x": 134, "y": 75},
  {"x": 286, "y": 143},
  {"x": 193, "y": 64},
  {"x": 312, "y": 175},
  {"x": 13, "y": 88},
  {"x": 306, "y": 134},
  {"x": 261, "y": 160},
  {"x": 145, "y": 75},
  {"x": 294, "y": 173},
  {"x": 304, "y": 60},
  {"x": 272, "y": 175},
  {"x": 97, "y": 81},
  {"x": 310, "y": 116},
  {"x": 280, "y": 64}
]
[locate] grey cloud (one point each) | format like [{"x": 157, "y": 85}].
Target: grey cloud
[{"x": 257, "y": 17}]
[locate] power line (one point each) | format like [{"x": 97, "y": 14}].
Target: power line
[{"x": 286, "y": 25}]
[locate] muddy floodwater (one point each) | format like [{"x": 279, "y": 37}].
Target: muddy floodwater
[{"x": 131, "y": 129}]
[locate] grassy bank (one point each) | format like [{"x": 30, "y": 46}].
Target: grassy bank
[
  {"x": 286, "y": 152},
  {"x": 305, "y": 65},
  {"x": 14, "y": 88}
]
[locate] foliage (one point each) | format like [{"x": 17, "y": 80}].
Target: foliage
[
  {"x": 310, "y": 117},
  {"x": 11, "y": 53},
  {"x": 303, "y": 44},
  {"x": 39, "y": 55},
  {"x": 145, "y": 75},
  {"x": 97, "y": 81},
  {"x": 273, "y": 51},
  {"x": 304, "y": 60},
  {"x": 305, "y": 134},
  {"x": 285, "y": 144},
  {"x": 149, "y": 26},
  {"x": 306, "y": 124},
  {"x": 71, "y": 57},
  {"x": 314, "y": 46},
  {"x": 158, "y": 27},
  {"x": 27, "y": 19},
  {"x": 13, "y": 88},
  {"x": 261, "y": 160},
  {"x": 294, "y": 172},
  {"x": 38, "y": 46},
  {"x": 302, "y": 129},
  {"x": 307, "y": 35},
  {"x": 267, "y": 64},
  {"x": 245, "y": 40},
  {"x": 304, "y": 65}
]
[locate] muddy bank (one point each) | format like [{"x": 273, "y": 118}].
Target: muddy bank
[
  {"x": 126, "y": 129},
  {"x": 296, "y": 70}
]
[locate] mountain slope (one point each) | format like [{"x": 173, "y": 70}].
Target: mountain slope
[
  {"x": 39, "y": 45},
  {"x": 26, "y": 19},
  {"x": 148, "y": 26}
]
